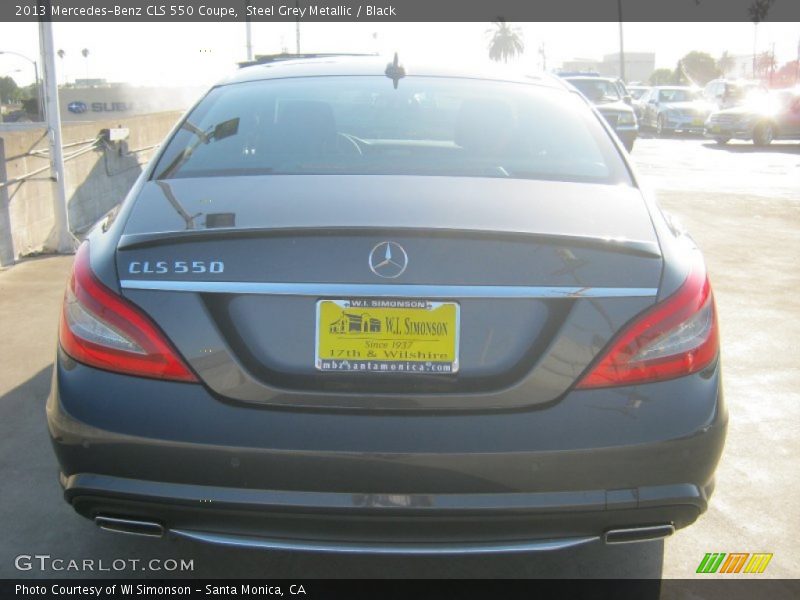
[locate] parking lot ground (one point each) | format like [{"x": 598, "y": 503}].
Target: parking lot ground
[{"x": 751, "y": 239}]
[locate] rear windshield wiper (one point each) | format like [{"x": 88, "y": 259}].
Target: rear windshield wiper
[{"x": 215, "y": 133}]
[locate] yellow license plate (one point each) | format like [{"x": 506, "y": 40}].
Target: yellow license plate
[
  {"x": 382, "y": 335},
  {"x": 697, "y": 122}
]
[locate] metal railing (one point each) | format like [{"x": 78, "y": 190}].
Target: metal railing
[{"x": 96, "y": 144}]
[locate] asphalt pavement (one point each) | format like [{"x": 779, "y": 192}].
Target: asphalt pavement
[{"x": 741, "y": 204}]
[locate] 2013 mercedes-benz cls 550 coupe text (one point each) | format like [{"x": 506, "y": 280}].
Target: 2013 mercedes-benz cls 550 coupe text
[{"x": 352, "y": 307}]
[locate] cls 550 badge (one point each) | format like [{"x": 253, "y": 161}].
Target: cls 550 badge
[{"x": 177, "y": 267}]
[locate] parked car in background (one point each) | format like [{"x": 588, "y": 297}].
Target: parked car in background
[
  {"x": 727, "y": 93},
  {"x": 669, "y": 109},
  {"x": 767, "y": 117},
  {"x": 16, "y": 116},
  {"x": 637, "y": 92},
  {"x": 609, "y": 95},
  {"x": 350, "y": 308}
]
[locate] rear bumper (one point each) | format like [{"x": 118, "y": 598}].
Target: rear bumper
[
  {"x": 384, "y": 523},
  {"x": 685, "y": 124},
  {"x": 228, "y": 473},
  {"x": 729, "y": 131}
]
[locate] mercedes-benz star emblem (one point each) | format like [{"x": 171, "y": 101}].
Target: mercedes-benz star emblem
[{"x": 388, "y": 260}]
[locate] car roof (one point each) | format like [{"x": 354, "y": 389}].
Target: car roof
[
  {"x": 343, "y": 65},
  {"x": 590, "y": 78}
]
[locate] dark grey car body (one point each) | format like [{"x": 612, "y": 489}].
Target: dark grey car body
[{"x": 267, "y": 451}]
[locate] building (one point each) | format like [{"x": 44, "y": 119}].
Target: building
[
  {"x": 102, "y": 100},
  {"x": 581, "y": 65},
  {"x": 638, "y": 65}
]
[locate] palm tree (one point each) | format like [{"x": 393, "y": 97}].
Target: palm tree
[
  {"x": 765, "y": 64},
  {"x": 506, "y": 41},
  {"x": 85, "y": 54},
  {"x": 61, "y": 55},
  {"x": 758, "y": 12},
  {"x": 725, "y": 63}
]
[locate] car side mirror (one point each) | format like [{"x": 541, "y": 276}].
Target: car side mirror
[
  {"x": 652, "y": 101},
  {"x": 627, "y": 100}
]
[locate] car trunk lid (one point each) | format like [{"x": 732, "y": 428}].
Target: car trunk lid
[{"x": 542, "y": 273}]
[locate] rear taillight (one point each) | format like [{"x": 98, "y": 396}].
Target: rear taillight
[
  {"x": 104, "y": 330},
  {"x": 675, "y": 337}
]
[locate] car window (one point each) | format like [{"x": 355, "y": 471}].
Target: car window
[
  {"x": 597, "y": 90},
  {"x": 677, "y": 95},
  {"x": 363, "y": 125}
]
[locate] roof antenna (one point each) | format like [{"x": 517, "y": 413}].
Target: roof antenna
[{"x": 395, "y": 71}]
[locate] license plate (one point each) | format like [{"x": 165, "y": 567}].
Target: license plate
[
  {"x": 697, "y": 122},
  {"x": 382, "y": 335}
]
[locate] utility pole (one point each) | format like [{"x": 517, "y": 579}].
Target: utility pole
[
  {"x": 297, "y": 31},
  {"x": 797, "y": 64},
  {"x": 621, "y": 44},
  {"x": 61, "y": 239},
  {"x": 755, "y": 47},
  {"x": 6, "y": 239},
  {"x": 772, "y": 65},
  {"x": 248, "y": 33}
]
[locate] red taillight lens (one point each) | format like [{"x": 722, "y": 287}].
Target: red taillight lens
[
  {"x": 104, "y": 330},
  {"x": 675, "y": 337}
]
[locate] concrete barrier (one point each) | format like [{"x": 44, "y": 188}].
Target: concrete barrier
[{"x": 97, "y": 179}]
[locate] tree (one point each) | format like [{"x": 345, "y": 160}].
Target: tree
[
  {"x": 758, "y": 12},
  {"x": 506, "y": 41},
  {"x": 788, "y": 74},
  {"x": 661, "y": 77},
  {"x": 759, "y": 9},
  {"x": 765, "y": 63},
  {"x": 85, "y": 54},
  {"x": 9, "y": 90},
  {"x": 699, "y": 68},
  {"x": 678, "y": 76},
  {"x": 725, "y": 63}
]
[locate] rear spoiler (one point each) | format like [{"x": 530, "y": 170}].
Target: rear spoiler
[{"x": 621, "y": 245}]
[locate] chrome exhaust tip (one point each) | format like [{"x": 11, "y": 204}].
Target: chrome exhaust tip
[
  {"x": 130, "y": 526},
  {"x": 638, "y": 534}
]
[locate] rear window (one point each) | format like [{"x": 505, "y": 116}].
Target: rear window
[
  {"x": 363, "y": 125},
  {"x": 678, "y": 95}
]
